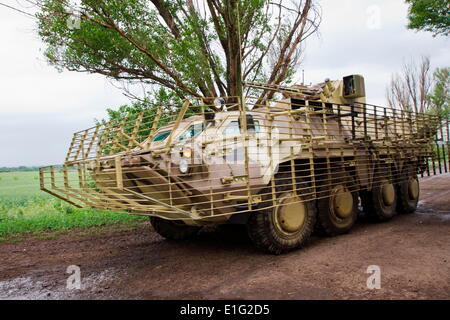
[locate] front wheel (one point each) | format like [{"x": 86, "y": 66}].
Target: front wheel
[
  {"x": 173, "y": 230},
  {"x": 284, "y": 224}
]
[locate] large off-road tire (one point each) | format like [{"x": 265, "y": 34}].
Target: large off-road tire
[
  {"x": 173, "y": 230},
  {"x": 380, "y": 203},
  {"x": 408, "y": 190},
  {"x": 337, "y": 203},
  {"x": 288, "y": 224}
]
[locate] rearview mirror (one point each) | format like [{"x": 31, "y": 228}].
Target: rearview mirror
[{"x": 250, "y": 123}]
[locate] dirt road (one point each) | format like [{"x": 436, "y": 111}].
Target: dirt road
[{"x": 412, "y": 251}]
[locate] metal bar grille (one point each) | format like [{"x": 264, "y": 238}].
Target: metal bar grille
[{"x": 203, "y": 163}]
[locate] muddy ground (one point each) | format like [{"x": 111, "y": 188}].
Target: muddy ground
[{"x": 412, "y": 251}]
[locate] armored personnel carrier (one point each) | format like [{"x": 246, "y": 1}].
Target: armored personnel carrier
[{"x": 285, "y": 161}]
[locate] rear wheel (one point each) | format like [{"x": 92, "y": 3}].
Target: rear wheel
[
  {"x": 380, "y": 203},
  {"x": 285, "y": 225},
  {"x": 337, "y": 206},
  {"x": 172, "y": 229},
  {"x": 408, "y": 191}
]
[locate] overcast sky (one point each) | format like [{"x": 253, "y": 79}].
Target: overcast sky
[{"x": 41, "y": 108}]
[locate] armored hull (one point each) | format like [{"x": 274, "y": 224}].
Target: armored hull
[{"x": 204, "y": 163}]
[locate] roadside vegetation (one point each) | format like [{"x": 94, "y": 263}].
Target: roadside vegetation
[{"x": 26, "y": 209}]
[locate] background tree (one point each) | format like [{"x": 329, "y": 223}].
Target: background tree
[
  {"x": 440, "y": 95},
  {"x": 199, "y": 48},
  {"x": 409, "y": 89},
  {"x": 415, "y": 89},
  {"x": 429, "y": 15}
]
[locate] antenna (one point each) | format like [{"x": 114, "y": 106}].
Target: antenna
[{"x": 303, "y": 77}]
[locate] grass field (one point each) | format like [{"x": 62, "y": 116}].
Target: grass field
[
  {"x": 24, "y": 208},
  {"x": 20, "y": 186}
]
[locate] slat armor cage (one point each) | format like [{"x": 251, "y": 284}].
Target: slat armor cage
[{"x": 205, "y": 162}]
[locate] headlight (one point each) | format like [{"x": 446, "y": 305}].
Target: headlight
[
  {"x": 187, "y": 152},
  {"x": 92, "y": 165},
  {"x": 184, "y": 166}
]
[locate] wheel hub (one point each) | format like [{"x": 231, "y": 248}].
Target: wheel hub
[
  {"x": 388, "y": 193},
  {"x": 290, "y": 214},
  {"x": 342, "y": 202},
  {"x": 413, "y": 188}
]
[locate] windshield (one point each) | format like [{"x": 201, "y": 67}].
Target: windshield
[
  {"x": 161, "y": 136},
  {"x": 192, "y": 131},
  {"x": 233, "y": 130}
]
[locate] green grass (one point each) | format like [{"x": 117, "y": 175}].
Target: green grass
[
  {"x": 18, "y": 187},
  {"x": 24, "y": 208}
]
